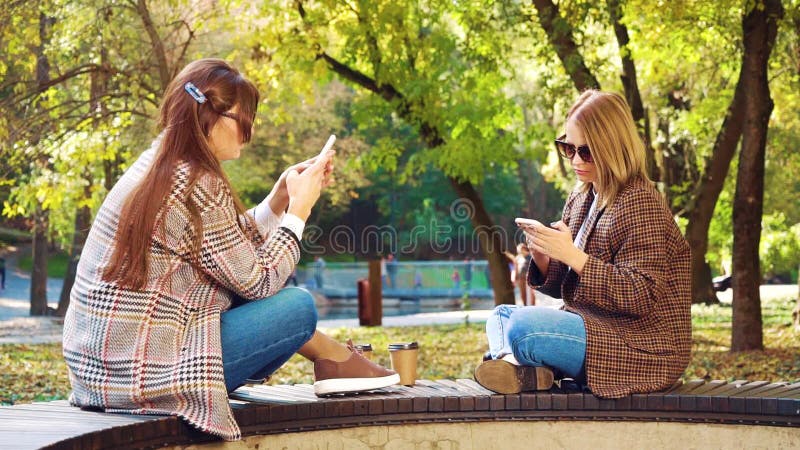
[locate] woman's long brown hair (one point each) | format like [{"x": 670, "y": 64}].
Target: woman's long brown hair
[{"x": 186, "y": 125}]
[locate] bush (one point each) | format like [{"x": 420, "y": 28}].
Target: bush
[{"x": 779, "y": 249}]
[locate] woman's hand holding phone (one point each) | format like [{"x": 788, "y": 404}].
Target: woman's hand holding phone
[
  {"x": 304, "y": 185},
  {"x": 530, "y": 227},
  {"x": 553, "y": 242}
]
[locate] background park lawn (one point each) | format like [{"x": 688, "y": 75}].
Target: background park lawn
[{"x": 38, "y": 373}]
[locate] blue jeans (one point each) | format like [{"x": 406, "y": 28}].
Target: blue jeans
[
  {"x": 539, "y": 336},
  {"x": 260, "y": 336}
]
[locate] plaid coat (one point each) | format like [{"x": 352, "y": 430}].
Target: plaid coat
[
  {"x": 634, "y": 294},
  {"x": 157, "y": 350}
]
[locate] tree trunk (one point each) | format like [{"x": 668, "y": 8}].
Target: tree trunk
[
  {"x": 492, "y": 243},
  {"x": 760, "y": 29},
  {"x": 631, "y": 86},
  {"x": 701, "y": 208},
  {"x": 155, "y": 43},
  {"x": 39, "y": 276},
  {"x": 38, "y": 295},
  {"x": 559, "y": 33}
]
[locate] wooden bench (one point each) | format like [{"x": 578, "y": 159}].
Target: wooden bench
[{"x": 441, "y": 406}]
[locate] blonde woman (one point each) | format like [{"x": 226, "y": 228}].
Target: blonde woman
[
  {"x": 618, "y": 261},
  {"x": 179, "y": 295}
]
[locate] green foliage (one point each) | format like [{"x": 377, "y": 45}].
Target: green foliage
[
  {"x": 56, "y": 264},
  {"x": 446, "y": 82},
  {"x": 69, "y": 138},
  {"x": 779, "y": 249},
  {"x": 720, "y": 232},
  {"x": 479, "y": 75}
]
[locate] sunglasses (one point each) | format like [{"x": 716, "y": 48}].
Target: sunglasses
[{"x": 567, "y": 150}]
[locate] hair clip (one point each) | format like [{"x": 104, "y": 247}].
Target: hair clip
[{"x": 194, "y": 92}]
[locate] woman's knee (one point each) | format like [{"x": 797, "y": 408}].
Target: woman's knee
[
  {"x": 522, "y": 333},
  {"x": 498, "y": 316},
  {"x": 302, "y": 305},
  {"x": 504, "y": 311}
]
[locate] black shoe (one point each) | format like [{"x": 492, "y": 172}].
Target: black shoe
[
  {"x": 501, "y": 376},
  {"x": 487, "y": 356}
]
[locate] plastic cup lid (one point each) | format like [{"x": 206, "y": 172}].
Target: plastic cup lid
[{"x": 404, "y": 346}]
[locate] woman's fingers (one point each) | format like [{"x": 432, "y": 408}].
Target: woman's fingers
[
  {"x": 300, "y": 167},
  {"x": 322, "y": 162}
]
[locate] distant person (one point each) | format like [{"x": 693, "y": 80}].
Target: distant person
[
  {"x": 384, "y": 273},
  {"x": 618, "y": 260},
  {"x": 417, "y": 279},
  {"x": 456, "y": 278},
  {"x": 319, "y": 270},
  {"x": 512, "y": 266},
  {"x": 292, "y": 278},
  {"x": 468, "y": 272},
  {"x": 150, "y": 327},
  {"x": 391, "y": 270},
  {"x": 521, "y": 263},
  {"x": 2, "y": 273}
]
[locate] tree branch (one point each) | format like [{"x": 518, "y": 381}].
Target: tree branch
[
  {"x": 155, "y": 42},
  {"x": 184, "y": 48},
  {"x": 41, "y": 86},
  {"x": 559, "y": 33}
]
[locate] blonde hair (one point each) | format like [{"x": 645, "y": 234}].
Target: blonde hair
[{"x": 618, "y": 152}]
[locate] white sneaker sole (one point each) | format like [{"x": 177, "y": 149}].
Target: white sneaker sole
[{"x": 342, "y": 385}]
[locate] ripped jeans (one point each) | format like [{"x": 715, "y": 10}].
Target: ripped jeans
[{"x": 539, "y": 336}]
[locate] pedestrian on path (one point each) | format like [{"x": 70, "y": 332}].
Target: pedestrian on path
[{"x": 2, "y": 273}]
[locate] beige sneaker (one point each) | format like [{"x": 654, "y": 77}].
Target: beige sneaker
[
  {"x": 506, "y": 378},
  {"x": 356, "y": 374}
]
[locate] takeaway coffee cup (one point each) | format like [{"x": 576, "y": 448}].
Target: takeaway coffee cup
[
  {"x": 404, "y": 361},
  {"x": 365, "y": 349}
]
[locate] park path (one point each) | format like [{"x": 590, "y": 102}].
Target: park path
[{"x": 16, "y": 324}]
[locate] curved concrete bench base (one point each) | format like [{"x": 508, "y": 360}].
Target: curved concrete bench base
[
  {"x": 447, "y": 413},
  {"x": 528, "y": 434}
]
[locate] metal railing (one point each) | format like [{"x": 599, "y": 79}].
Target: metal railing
[{"x": 403, "y": 278}]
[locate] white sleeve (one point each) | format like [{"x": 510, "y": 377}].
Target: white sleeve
[
  {"x": 266, "y": 219},
  {"x": 295, "y": 224}
]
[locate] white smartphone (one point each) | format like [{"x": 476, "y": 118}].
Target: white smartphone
[
  {"x": 328, "y": 145},
  {"x": 523, "y": 222}
]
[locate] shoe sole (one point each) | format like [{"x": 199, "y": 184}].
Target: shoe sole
[
  {"x": 344, "y": 385},
  {"x": 506, "y": 378}
]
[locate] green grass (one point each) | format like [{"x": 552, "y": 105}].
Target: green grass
[
  {"x": 37, "y": 372},
  {"x": 56, "y": 264}
]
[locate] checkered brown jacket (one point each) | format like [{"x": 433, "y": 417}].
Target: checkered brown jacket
[
  {"x": 634, "y": 294},
  {"x": 157, "y": 350}
]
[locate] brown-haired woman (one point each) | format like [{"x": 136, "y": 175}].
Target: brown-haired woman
[
  {"x": 150, "y": 328},
  {"x": 619, "y": 262}
]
